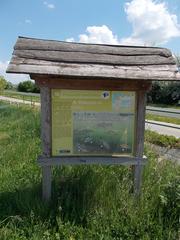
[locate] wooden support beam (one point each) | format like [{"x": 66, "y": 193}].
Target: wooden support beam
[
  {"x": 46, "y": 140},
  {"x": 46, "y": 183},
  {"x": 57, "y": 82},
  {"x": 105, "y": 160},
  {"x": 46, "y": 120},
  {"x": 139, "y": 142}
]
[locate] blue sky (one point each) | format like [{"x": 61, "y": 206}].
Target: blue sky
[{"x": 133, "y": 22}]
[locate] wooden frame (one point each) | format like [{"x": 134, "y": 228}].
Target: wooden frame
[
  {"x": 80, "y": 83},
  {"x": 46, "y": 161}
]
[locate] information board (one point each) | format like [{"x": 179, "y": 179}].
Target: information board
[{"x": 88, "y": 122}]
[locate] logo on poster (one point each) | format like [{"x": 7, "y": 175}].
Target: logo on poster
[{"x": 105, "y": 95}]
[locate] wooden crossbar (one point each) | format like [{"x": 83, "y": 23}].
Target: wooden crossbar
[{"x": 104, "y": 160}]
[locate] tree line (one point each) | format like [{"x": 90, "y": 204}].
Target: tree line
[{"x": 25, "y": 86}]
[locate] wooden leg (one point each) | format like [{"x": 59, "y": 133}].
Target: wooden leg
[
  {"x": 46, "y": 183},
  {"x": 139, "y": 142},
  {"x": 137, "y": 179}
]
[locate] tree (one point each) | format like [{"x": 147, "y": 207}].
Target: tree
[
  {"x": 3, "y": 83},
  {"x": 36, "y": 89},
  {"x": 164, "y": 93},
  {"x": 9, "y": 85},
  {"x": 28, "y": 86}
]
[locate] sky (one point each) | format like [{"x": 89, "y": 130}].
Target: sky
[{"x": 126, "y": 22}]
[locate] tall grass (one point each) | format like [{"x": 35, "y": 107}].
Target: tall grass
[{"x": 89, "y": 202}]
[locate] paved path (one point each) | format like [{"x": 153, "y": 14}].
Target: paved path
[
  {"x": 167, "y": 112},
  {"x": 160, "y": 127},
  {"x": 15, "y": 100},
  {"x": 163, "y": 128}
]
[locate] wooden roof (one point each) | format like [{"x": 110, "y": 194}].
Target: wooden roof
[{"x": 37, "y": 56}]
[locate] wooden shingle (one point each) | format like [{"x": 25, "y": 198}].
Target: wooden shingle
[{"x": 36, "y": 56}]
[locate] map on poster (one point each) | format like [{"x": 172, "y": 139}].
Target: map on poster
[{"x": 88, "y": 122}]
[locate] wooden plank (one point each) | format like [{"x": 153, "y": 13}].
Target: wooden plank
[
  {"x": 139, "y": 143},
  {"x": 87, "y": 84},
  {"x": 38, "y": 44},
  {"x": 46, "y": 183},
  {"x": 85, "y": 57},
  {"x": 164, "y": 67},
  {"x": 94, "y": 71},
  {"x": 105, "y": 160},
  {"x": 141, "y": 110},
  {"x": 46, "y": 120},
  {"x": 46, "y": 140}
]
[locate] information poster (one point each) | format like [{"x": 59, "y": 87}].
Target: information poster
[{"x": 92, "y": 122}]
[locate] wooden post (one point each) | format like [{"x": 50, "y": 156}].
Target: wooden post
[
  {"x": 46, "y": 140},
  {"x": 139, "y": 144},
  {"x": 46, "y": 183}
]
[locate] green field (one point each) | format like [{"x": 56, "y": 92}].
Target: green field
[
  {"x": 22, "y": 96},
  {"x": 163, "y": 118},
  {"x": 89, "y": 202}
]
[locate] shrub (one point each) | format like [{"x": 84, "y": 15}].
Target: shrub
[
  {"x": 28, "y": 86},
  {"x": 164, "y": 93},
  {"x": 2, "y": 83},
  {"x": 9, "y": 86}
]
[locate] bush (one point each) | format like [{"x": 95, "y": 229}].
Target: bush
[
  {"x": 28, "y": 86},
  {"x": 164, "y": 93},
  {"x": 2, "y": 83},
  {"x": 9, "y": 86}
]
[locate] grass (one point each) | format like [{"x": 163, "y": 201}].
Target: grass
[
  {"x": 162, "y": 140},
  {"x": 18, "y": 95},
  {"x": 163, "y": 105},
  {"x": 89, "y": 202},
  {"x": 163, "y": 119}
]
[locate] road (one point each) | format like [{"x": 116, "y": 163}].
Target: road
[
  {"x": 167, "y": 112},
  {"x": 160, "y": 127},
  {"x": 163, "y": 128}
]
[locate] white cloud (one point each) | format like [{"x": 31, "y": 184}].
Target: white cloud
[
  {"x": 14, "y": 78},
  {"x": 70, "y": 39},
  {"x": 151, "y": 21},
  {"x": 132, "y": 41},
  {"x": 49, "y": 5},
  {"x": 28, "y": 21},
  {"x": 98, "y": 34}
]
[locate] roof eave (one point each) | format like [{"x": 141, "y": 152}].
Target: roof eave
[{"x": 95, "y": 71}]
